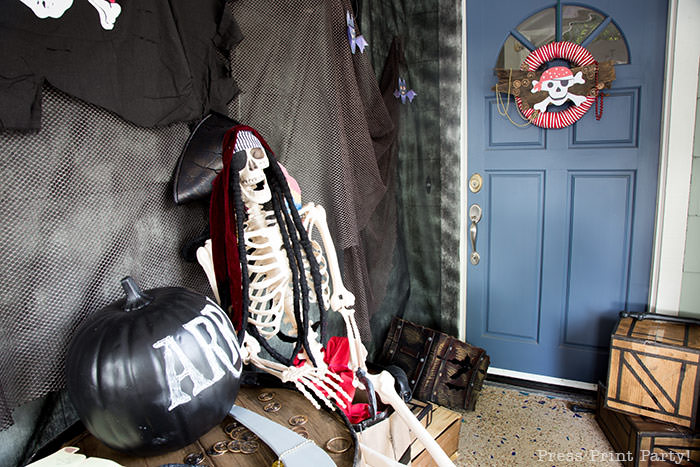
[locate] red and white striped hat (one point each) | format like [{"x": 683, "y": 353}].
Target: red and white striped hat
[{"x": 557, "y": 72}]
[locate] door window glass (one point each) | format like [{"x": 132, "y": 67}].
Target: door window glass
[
  {"x": 578, "y": 23},
  {"x": 592, "y": 29},
  {"x": 512, "y": 54},
  {"x": 539, "y": 28},
  {"x": 610, "y": 45}
]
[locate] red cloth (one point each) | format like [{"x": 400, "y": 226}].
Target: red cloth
[
  {"x": 336, "y": 356},
  {"x": 223, "y": 229}
]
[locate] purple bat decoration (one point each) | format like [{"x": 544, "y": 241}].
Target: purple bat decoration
[
  {"x": 404, "y": 94},
  {"x": 355, "y": 40}
]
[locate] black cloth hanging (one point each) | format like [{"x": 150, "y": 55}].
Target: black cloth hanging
[{"x": 161, "y": 62}]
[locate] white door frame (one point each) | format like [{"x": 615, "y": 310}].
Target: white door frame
[
  {"x": 675, "y": 161},
  {"x": 676, "y": 158}
]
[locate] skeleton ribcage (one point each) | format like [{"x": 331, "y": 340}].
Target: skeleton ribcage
[
  {"x": 270, "y": 288},
  {"x": 269, "y": 274}
]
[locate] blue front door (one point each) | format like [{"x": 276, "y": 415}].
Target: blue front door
[{"x": 565, "y": 235}]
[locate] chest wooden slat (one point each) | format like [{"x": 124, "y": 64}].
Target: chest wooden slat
[{"x": 654, "y": 370}]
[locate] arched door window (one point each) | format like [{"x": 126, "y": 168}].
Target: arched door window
[{"x": 581, "y": 25}]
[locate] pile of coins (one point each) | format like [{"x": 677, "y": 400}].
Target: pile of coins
[
  {"x": 242, "y": 441},
  {"x": 298, "y": 422}
]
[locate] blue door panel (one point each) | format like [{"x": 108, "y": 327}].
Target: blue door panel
[
  {"x": 620, "y": 106},
  {"x": 599, "y": 250},
  {"x": 500, "y": 133},
  {"x": 514, "y": 252},
  {"x": 567, "y": 228}
]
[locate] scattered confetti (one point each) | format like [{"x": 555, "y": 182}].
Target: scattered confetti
[{"x": 506, "y": 414}]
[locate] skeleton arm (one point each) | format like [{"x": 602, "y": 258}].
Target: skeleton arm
[{"x": 341, "y": 299}]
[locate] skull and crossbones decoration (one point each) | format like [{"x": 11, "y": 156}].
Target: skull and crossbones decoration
[
  {"x": 557, "y": 81},
  {"x": 108, "y": 10}
]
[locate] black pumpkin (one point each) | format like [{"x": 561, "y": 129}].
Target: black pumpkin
[{"x": 153, "y": 372}]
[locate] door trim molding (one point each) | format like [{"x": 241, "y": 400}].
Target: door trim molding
[
  {"x": 463, "y": 177},
  {"x": 542, "y": 379},
  {"x": 676, "y": 155}
]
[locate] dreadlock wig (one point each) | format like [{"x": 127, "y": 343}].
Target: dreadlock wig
[{"x": 227, "y": 218}]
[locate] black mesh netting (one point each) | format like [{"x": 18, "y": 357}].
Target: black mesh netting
[
  {"x": 320, "y": 108},
  {"x": 84, "y": 202},
  {"x": 87, "y": 199}
]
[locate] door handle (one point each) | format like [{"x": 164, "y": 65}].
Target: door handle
[{"x": 475, "y": 216}]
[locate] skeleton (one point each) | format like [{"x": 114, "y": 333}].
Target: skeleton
[
  {"x": 557, "y": 81},
  {"x": 271, "y": 302},
  {"x": 108, "y": 10}
]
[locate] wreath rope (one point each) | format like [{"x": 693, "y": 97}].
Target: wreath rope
[
  {"x": 503, "y": 108},
  {"x": 575, "y": 54}
]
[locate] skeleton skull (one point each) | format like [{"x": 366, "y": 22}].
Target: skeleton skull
[{"x": 254, "y": 187}]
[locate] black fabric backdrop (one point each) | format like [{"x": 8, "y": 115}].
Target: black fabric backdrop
[
  {"x": 87, "y": 199},
  {"x": 163, "y": 62}
]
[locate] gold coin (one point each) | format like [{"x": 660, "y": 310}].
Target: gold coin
[
  {"x": 249, "y": 447},
  {"x": 237, "y": 432},
  {"x": 516, "y": 84},
  {"x": 338, "y": 445},
  {"x": 266, "y": 396},
  {"x": 301, "y": 431},
  {"x": 247, "y": 436},
  {"x": 234, "y": 446},
  {"x": 272, "y": 407},
  {"x": 220, "y": 446},
  {"x": 212, "y": 452},
  {"x": 194, "y": 458},
  {"x": 231, "y": 426},
  {"x": 298, "y": 420}
]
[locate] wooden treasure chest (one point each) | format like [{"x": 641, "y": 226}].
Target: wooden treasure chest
[
  {"x": 439, "y": 368},
  {"x": 641, "y": 441},
  {"x": 654, "y": 368}
]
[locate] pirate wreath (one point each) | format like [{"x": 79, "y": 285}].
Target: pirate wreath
[{"x": 535, "y": 90}]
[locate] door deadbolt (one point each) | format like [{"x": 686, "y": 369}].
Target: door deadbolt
[{"x": 475, "y": 183}]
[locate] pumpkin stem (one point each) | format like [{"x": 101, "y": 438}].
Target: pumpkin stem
[{"x": 135, "y": 297}]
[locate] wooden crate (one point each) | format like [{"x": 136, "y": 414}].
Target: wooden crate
[
  {"x": 640, "y": 441},
  {"x": 654, "y": 370},
  {"x": 443, "y": 425},
  {"x": 322, "y": 426}
]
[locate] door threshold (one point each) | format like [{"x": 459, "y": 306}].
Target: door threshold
[{"x": 547, "y": 384}]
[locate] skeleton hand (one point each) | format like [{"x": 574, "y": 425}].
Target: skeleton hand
[{"x": 321, "y": 381}]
